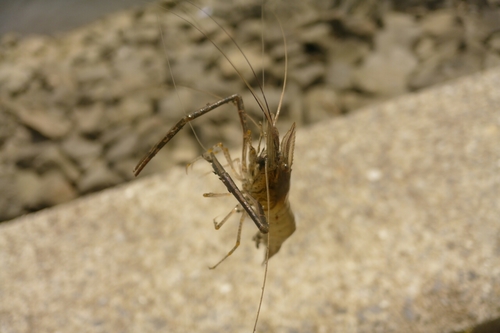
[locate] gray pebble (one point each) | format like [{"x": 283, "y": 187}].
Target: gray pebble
[
  {"x": 492, "y": 60},
  {"x": 386, "y": 73},
  {"x": 400, "y": 30},
  {"x": 339, "y": 75},
  {"x": 494, "y": 42},
  {"x": 28, "y": 186},
  {"x": 97, "y": 177},
  {"x": 51, "y": 123},
  {"x": 305, "y": 76},
  {"x": 11, "y": 202},
  {"x": 350, "y": 51},
  {"x": 81, "y": 150},
  {"x": 14, "y": 79},
  {"x": 122, "y": 147},
  {"x": 90, "y": 120},
  {"x": 321, "y": 103},
  {"x": 50, "y": 157},
  {"x": 441, "y": 23},
  {"x": 55, "y": 189}
]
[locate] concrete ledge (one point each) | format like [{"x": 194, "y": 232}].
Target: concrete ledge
[{"x": 398, "y": 208}]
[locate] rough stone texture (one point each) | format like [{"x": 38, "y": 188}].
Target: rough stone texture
[{"x": 398, "y": 231}]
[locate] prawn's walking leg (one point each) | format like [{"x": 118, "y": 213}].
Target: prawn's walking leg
[
  {"x": 238, "y": 239},
  {"x": 230, "y": 161},
  {"x": 218, "y": 225}
]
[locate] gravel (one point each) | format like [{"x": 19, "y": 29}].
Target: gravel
[{"x": 79, "y": 109}]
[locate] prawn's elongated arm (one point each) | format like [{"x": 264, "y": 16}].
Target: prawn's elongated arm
[
  {"x": 190, "y": 117},
  {"x": 258, "y": 217}
]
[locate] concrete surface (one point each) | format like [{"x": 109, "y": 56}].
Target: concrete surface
[{"x": 398, "y": 231}]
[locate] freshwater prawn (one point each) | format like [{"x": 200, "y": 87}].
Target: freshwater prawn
[{"x": 264, "y": 171}]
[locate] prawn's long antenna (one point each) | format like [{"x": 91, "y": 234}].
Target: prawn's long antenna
[
  {"x": 267, "y": 252},
  {"x": 262, "y": 46},
  {"x": 286, "y": 72},
  {"x": 163, "y": 42},
  {"x": 264, "y": 106}
]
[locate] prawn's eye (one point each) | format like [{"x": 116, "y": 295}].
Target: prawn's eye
[{"x": 261, "y": 161}]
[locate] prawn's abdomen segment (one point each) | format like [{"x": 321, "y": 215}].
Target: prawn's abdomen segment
[
  {"x": 282, "y": 225},
  {"x": 277, "y": 209}
]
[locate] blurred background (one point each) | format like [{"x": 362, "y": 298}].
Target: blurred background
[
  {"x": 54, "y": 16},
  {"x": 85, "y": 88}
]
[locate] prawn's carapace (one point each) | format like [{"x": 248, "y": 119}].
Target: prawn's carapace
[{"x": 268, "y": 182}]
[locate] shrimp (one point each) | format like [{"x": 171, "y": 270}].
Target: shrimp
[
  {"x": 265, "y": 172},
  {"x": 266, "y": 175}
]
